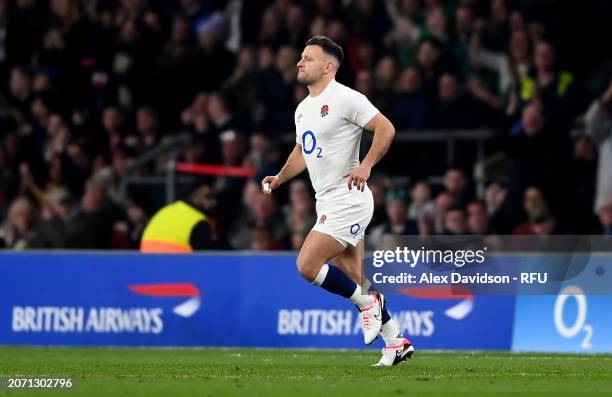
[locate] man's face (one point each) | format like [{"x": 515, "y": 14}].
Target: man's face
[
  {"x": 477, "y": 218},
  {"x": 532, "y": 120},
  {"x": 455, "y": 222},
  {"x": 448, "y": 87},
  {"x": 313, "y": 64},
  {"x": 205, "y": 198},
  {"x": 533, "y": 200},
  {"x": 544, "y": 56},
  {"x": 396, "y": 211},
  {"x": 428, "y": 55},
  {"x": 455, "y": 182}
]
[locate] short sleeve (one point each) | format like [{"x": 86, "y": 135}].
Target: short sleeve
[
  {"x": 295, "y": 120},
  {"x": 360, "y": 110}
]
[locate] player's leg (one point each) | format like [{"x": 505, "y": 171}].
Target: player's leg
[
  {"x": 318, "y": 248},
  {"x": 397, "y": 348}
]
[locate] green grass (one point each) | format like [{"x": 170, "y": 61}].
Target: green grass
[{"x": 295, "y": 373}]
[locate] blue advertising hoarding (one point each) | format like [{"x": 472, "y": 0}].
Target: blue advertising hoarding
[
  {"x": 215, "y": 300},
  {"x": 577, "y": 319},
  {"x": 571, "y": 322}
]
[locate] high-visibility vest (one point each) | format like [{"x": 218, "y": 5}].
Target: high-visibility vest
[
  {"x": 170, "y": 228},
  {"x": 528, "y": 85}
]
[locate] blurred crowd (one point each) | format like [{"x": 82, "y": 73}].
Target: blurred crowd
[{"x": 88, "y": 86}]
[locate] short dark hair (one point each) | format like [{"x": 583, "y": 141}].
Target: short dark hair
[
  {"x": 456, "y": 207},
  {"x": 329, "y": 46}
]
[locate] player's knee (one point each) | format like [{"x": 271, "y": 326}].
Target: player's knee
[{"x": 307, "y": 268}]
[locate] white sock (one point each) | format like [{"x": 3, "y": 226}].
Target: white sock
[
  {"x": 321, "y": 275},
  {"x": 390, "y": 332},
  {"x": 360, "y": 299}
]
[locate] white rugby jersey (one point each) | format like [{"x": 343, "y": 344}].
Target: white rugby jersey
[{"x": 329, "y": 128}]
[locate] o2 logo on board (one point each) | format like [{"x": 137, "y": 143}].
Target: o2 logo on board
[{"x": 578, "y": 325}]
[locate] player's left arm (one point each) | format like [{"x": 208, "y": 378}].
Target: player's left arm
[{"x": 383, "y": 136}]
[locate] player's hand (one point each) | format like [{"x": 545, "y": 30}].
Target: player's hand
[
  {"x": 358, "y": 176},
  {"x": 273, "y": 181}
]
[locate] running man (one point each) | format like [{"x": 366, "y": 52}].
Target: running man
[{"x": 329, "y": 123}]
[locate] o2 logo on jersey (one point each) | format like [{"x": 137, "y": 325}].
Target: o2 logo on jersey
[
  {"x": 355, "y": 229},
  {"x": 309, "y": 144}
]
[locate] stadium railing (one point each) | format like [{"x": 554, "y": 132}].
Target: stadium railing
[{"x": 176, "y": 172}]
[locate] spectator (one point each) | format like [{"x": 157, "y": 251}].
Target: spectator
[
  {"x": 133, "y": 228},
  {"x": 367, "y": 19},
  {"x": 604, "y": 211},
  {"x": 384, "y": 80},
  {"x": 495, "y": 196},
  {"x": 510, "y": 67},
  {"x": 455, "y": 221},
  {"x": 233, "y": 220},
  {"x": 496, "y": 24},
  {"x": 457, "y": 108},
  {"x": 444, "y": 200},
  {"x": 210, "y": 55},
  {"x": 295, "y": 26},
  {"x": 184, "y": 225},
  {"x": 553, "y": 87},
  {"x": 276, "y": 92},
  {"x": 147, "y": 126},
  {"x": 464, "y": 21},
  {"x": 535, "y": 207},
  {"x": 255, "y": 156},
  {"x": 412, "y": 107},
  {"x": 297, "y": 240},
  {"x": 398, "y": 223},
  {"x": 477, "y": 218},
  {"x": 403, "y": 34},
  {"x": 364, "y": 83},
  {"x": 20, "y": 90},
  {"x": 336, "y": 30},
  {"x": 220, "y": 114},
  {"x": 261, "y": 239},
  {"x": 264, "y": 214},
  {"x": 456, "y": 184},
  {"x": 242, "y": 85},
  {"x": 361, "y": 56},
  {"x": 18, "y": 229},
  {"x": 173, "y": 70},
  {"x": 533, "y": 166},
  {"x": 233, "y": 148},
  {"x": 545, "y": 225},
  {"x": 406, "y": 30},
  {"x": 91, "y": 226},
  {"x": 379, "y": 186},
  {"x": 598, "y": 120},
  {"x": 421, "y": 206},
  {"x": 57, "y": 210},
  {"x": 271, "y": 33},
  {"x": 430, "y": 65},
  {"x": 502, "y": 219},
  {"x": 113, "y": 123},
  {"x": 584, "y": 169},
  {"x": 301, "y": 213}
]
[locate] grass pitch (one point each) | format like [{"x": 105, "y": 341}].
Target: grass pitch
[{"x": 296, "y": 373}]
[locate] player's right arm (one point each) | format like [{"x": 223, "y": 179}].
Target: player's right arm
[{"x": 295, "y": 165}]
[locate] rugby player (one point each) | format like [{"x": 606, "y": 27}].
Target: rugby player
[{"x": 329, "y": 123}]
